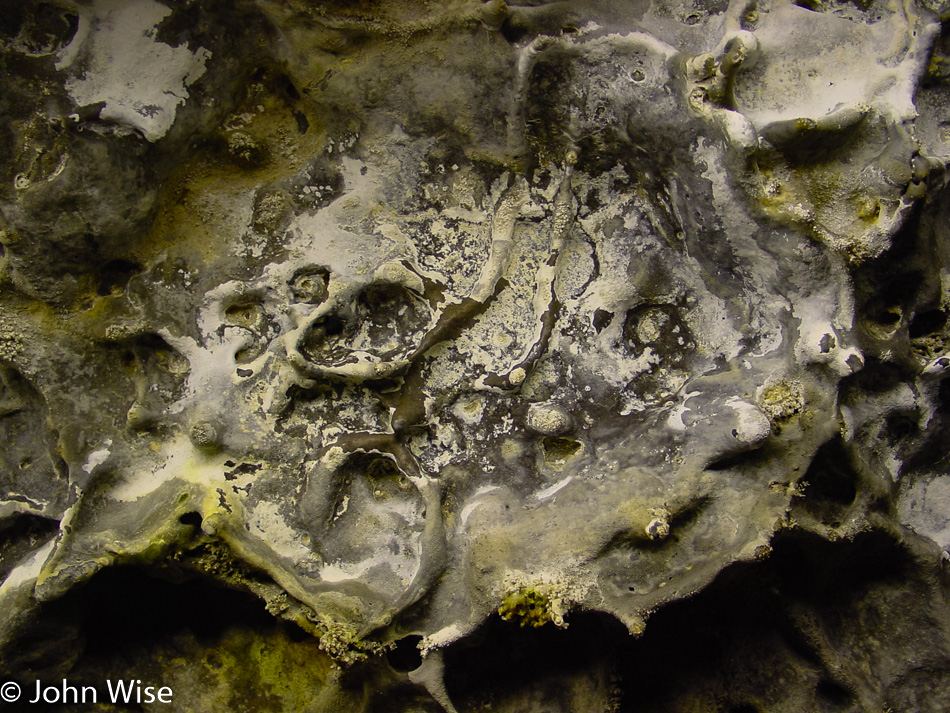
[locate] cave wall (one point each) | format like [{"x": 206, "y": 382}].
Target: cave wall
[{"x": 531, "y": 356}]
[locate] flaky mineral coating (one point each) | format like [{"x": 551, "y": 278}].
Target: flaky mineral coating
[{"x": 451, "y": 330}]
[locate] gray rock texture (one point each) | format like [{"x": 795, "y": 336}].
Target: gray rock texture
[{"x": 389, "y": 356}]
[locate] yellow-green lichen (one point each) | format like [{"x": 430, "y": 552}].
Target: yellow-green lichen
[
  {"x": 277, "y": 673},
  {"x": 341, "y": 641},
  {"x": 533, "y": 607},
  {"x": 782, "y": 400}
]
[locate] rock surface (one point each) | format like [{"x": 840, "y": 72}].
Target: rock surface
[{"x": 416, "y": 356}]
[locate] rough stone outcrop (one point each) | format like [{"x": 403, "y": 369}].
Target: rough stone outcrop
[{"x": 403, "y": 355}]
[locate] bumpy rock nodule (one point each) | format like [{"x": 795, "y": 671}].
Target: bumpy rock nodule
[{"x": 421, "y": 356}]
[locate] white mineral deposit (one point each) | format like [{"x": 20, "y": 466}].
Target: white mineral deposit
[{"x": 377, "y": 356}]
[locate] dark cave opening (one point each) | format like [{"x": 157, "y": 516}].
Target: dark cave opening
[
  {"x": 125, "y": 608},
  {"x": 763, "y": 636}
]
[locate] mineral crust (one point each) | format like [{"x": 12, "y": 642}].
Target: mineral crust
[{"x": 401, "y": 355}]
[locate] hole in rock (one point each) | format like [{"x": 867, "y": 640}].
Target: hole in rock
[
  {"x": 303, "y": 124},
  {"x": 366, "y": 510},
  {"x": 327, "y": 340},
  {"x": 514, "y": 30},
  {"x": 115, "y": 275},
  {"x": 834, "y": 693},
  {"x": 284, "y": 84},
  {"x": 927, "y": 323},
  {"x": 309, "y": 285},
  {"x": 560, "y": 449},
  {"x": 831, "y": 484},
  {"x": 190, "y": 518},
  {"x": 384, "y": 476},
  {"x": 594, "y": 203},
  {"x": 602, "y": 319},
  {"x": 245, "y": 314},
  {"x": 899, "y": 426},
  {"x": 406, "y": 655},
  {"x": 888, "y": 317}
]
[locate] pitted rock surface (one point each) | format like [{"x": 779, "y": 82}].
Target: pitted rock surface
[{"x": 390, "y": 356}]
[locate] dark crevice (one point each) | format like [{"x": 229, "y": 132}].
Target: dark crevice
[
  {"x": 124, "y": 608},
  {"x": 739, "y": 627},
  {"x": 831, "y": 484},
  {"x": 720, "y": 649},
  {"x": 405, "y": 655},
  {"x": 834, "y": 693},
  {"x": 115, "y": 619},
  {"x": 508, "y": 656},
  {"x": 285, "y": 86},
  {"x": 21, "y": 535},
  {"x": 738, "y": 460},
  {"x": 602, "y": 320},
  {"x": 190, "y": 518},
  {"x": 115, "y": 275},
  {"x": 926, "y": 323}
]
